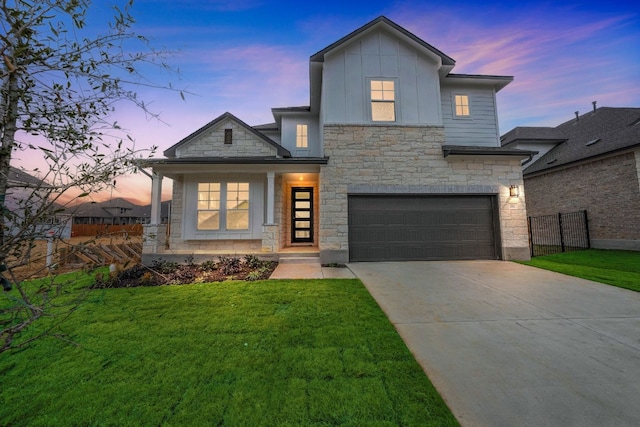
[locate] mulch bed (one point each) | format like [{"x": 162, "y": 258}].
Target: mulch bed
[{"x": 170, "y": 273}]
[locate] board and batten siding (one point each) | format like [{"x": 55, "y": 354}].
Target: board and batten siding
[
  {"x": 380, "y": 55},
  {"x": 481, "y": 127}
]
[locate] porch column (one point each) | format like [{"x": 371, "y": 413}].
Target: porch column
[
  {"x": 270, "y": 197},
  {"x": 156, "y": 198}
]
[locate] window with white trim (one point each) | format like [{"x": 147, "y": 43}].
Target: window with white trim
[
  {"x": 461, "y": 105},
  {"x": 237, "y": 206},
  {"x": 383, "y": 101},
  {"x": 302, "y": 138},
  {"x": 223, "y": 206},
  {"x": 208, "y": 206}
]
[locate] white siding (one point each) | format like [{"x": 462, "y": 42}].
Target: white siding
[
  {"x": 379, "y": 55},
  {"x": 288, "y": 133},
  {"x": 481, "y": 127}
]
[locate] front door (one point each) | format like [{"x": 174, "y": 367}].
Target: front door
[{"x": 302, "y": 215}]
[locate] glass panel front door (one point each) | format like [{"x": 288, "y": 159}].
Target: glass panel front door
[{"x": 302, "y": 215}]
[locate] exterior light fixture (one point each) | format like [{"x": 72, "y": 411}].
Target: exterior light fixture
[{"x": 514, "y": 191}]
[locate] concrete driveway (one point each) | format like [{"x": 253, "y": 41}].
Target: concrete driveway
[{"x": 511, "y": 345}]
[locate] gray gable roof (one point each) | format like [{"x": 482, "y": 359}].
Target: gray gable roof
[
  {"x": 102, "y": 209},
  {"x": 171, "y": 151},
  {"x": 19, "y": 178},
  {"x": 602, "y": 131},
  {"x": 319, "y": 56}
]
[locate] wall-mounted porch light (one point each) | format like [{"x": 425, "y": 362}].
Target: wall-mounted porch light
[{"x": 514, "y": 191}]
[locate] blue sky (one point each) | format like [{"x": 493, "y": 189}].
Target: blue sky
[{"x": 247, "y": 56}]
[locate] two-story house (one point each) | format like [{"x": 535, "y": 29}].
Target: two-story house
[{"x": 394, "y": 158}]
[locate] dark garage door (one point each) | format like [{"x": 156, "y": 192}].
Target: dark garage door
[{"x": 403, "y": 228}]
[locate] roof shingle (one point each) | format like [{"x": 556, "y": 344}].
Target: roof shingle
[{"x": 602, "y": 131}]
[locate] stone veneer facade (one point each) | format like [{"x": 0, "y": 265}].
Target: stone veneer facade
[
  {"x": 409, "y": 160},
  {"x": 211, "y": 144},
  {"x": 608, "y": 189}
]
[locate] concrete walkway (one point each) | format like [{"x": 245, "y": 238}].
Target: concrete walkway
[
  {"x": 310, "y": 271},
  {"x": 511, "y": 345}
]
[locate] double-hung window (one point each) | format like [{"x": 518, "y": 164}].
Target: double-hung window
[
  {"x": 208, "y": 206},
  {"x": 237, "y": 206},
  {"x": 223, "y": 206},
  {"x": 302, "y": 136},
  {"x": 383, "y": 100},
  {"x": 461, "y": 105}
]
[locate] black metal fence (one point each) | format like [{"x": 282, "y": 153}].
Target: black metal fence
[{"x": 550, "y": 234}]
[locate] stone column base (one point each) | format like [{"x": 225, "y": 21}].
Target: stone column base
[
  {"x": 154, "y": 238},
  {"x": 270, "y": 238}
]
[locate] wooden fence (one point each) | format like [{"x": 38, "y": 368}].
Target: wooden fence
[
  {"x": 105, "y": 229},
  {"x": 100, "y": 254}
]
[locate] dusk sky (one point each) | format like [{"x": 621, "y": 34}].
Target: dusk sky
[{"x": 248, "y": 56}]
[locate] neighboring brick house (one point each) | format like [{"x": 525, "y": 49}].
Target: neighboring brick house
[
  {"x": 395, "y": 158},
  {"x": 591, "y": 163}
]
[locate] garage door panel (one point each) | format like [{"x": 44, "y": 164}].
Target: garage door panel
[
  {"x": 369, "y": 236},
  {"x": 372, "y": 252},
  {"x": 421, "y": 228}
]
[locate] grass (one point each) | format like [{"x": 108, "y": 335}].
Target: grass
[
  {"x": 266, "y": 353},
  {"x": 617, "y": 268}
]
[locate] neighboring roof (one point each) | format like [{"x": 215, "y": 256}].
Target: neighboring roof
[
  {"x": 603, "y": 131},
  {"x": 105, "y": 209},
  {"x": 171, "y": 151},
  {"x": 464, "y": 150},
  {"x": 19, "y": 178},
  {"x": 319, "y": 56}
]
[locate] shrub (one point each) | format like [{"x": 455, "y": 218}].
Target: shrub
[
  {"x": 170, "y": 273},
  {"x": 209, "y": 265},
  {"x": 164, "y": 267},
  {"x": 190, "y": 261},
  {"x": 252, "y": 261},
  {"x": 229, "y": 265}
]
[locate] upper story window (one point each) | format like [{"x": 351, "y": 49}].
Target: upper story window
[
  {"x": 461, "y": 105},
  {"x": 383, "y": 101},
  {"x": 302, "y": 140}
]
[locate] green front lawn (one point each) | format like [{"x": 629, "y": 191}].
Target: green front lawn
[
  {"x": 305, "y": 352},
  {"x": 617, "y": 268}
]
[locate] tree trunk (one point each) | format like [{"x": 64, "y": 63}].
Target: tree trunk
[{"x": 9, "y": 127}]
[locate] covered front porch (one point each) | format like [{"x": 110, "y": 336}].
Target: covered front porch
[{"x": 278, "y": 207}]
